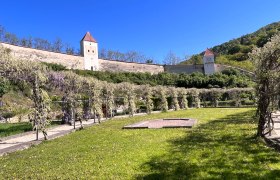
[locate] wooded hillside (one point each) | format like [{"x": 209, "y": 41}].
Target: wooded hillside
[{"x": 235, "y": 52}]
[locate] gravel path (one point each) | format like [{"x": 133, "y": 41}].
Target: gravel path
[{"x": 274, "y": 138}]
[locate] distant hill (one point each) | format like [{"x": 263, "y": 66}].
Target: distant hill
[{"x": 235, "y": 52}]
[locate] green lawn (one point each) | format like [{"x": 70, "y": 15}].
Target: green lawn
[
  {"x": 222, "y": 145},
  {"x": 8, "y": 129}
]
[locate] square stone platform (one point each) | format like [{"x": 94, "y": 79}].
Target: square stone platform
[{"x": 163, "y": 123}]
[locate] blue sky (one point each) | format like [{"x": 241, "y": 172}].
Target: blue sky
[{"x": 153, "y": 27}]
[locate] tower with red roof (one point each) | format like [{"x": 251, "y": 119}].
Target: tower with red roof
[
  {"x": 89, "y": 50},
  {"x": 209, "y": 62}
]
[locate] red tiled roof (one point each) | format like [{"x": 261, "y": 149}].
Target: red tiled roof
[
  {"x": 89, "y": 38},
  {"x": 208, "y": 52}
]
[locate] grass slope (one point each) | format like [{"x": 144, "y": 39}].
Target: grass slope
[{"x": 222, "y": 145}]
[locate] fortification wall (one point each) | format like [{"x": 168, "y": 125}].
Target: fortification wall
[
  {"x": 119, "y": 66},
  {"x": 188, "y": 69},
  {"x": 70, "y": 61},
  {"x": 77, "y": 62}
]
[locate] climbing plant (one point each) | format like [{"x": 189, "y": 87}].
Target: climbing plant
[
  {"x": 174, "y": 98},
  {"x": 108, "y": 96},
  {"x": 41, "y": 106},
  {"x": 96, "y": 99},
  {"x": 147, "y": 96},
  {"x": 267, "y": 60},
  {"x": 182, "y": 97},
  {"x": 72, "y": 88},
  {"x": 161, "y": 93},
  {"x": 194, "y": 93},
  {"x": 83, "y": 97},
  {"x": 215, "y": 95},
  {"x": 126, "y": 90}
]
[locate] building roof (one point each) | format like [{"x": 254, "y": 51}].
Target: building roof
[
  {"x": 208, "y": 52},
  {"x": 89, "y": 38}
]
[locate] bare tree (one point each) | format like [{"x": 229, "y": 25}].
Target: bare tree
[
  {"x": 11, "y": 38},
  {"x": 57, "y": 45},
  {"x": 171, "y": 59},
  {"x": 2, "y": 33},
  {"x": 29, "y": 42},
  {"x": 130, "y": 56},
  {"x": 115, "y": 55},
  {"x": 149, "y": 61},
  {"x": 69, "y": 49},
  {"x": 23, "y": 42},
  {"x": 42, "y": 44},
  {"x": 102, "y": 53},
  {"x": 78, "y": 52}
]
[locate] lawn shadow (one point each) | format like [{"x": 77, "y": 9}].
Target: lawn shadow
[{"x": 220, "y": 149}]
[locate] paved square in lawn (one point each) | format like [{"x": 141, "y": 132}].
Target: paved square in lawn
[{"x": 163, "y": 123}]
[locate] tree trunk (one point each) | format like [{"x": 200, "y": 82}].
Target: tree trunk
[{"x": 263, "y": 107}]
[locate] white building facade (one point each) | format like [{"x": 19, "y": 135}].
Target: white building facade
[
  {"x": 89, "y": 50},
  {"x": 209, "y": 62}
]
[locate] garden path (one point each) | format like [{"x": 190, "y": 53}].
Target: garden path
[
  {"x": 274, "y": 138},
  {"x": 25, "y": 140}
]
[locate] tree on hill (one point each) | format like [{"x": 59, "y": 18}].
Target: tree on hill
[
  {"x": 42, "y": 44},
  {"x": 57, "y": 45},
  {"x": 171, "y": 59},
  {"x": 11, "y": 38},
  {"x": 37, "y": 43},
  {"x": 149, "y": 61},
  {"x": 2, "y": 33},
  {"x": 69, "y": 49},
  {"x": 195, "y": 59},
  {"x": 130, "y": 56}
]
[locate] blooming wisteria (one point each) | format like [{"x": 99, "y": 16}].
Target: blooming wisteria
[{"x": 85, "y": 97}]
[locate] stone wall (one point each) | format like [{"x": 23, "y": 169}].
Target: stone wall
[
  {"x": 117, "y": 66},
  {"x": 77, "y": 62},
  {"x": 188, "y": 69},
  {"x": 70, "y": 61}
]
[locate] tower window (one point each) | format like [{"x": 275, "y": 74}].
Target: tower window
[
  {"x": 92, "y": 51},
  {"x": 88, "y": 50}
]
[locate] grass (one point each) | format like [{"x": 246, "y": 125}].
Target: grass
[
  {"x": 221, "y": 146},
  {"x": 8, "y": 129},
  {"x": 247, "y": 64}
]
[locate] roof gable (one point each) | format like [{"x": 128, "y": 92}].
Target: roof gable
[
  {"x": 89, "y": 38},
  {"x": 208, "y": 52}
]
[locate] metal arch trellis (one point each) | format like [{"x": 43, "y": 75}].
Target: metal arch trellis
[{"x": 104, "y": 99}]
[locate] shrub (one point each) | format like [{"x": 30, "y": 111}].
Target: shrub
[
  {"x": 55, "y": 67},
  {"x": 5, "y": 86}
]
